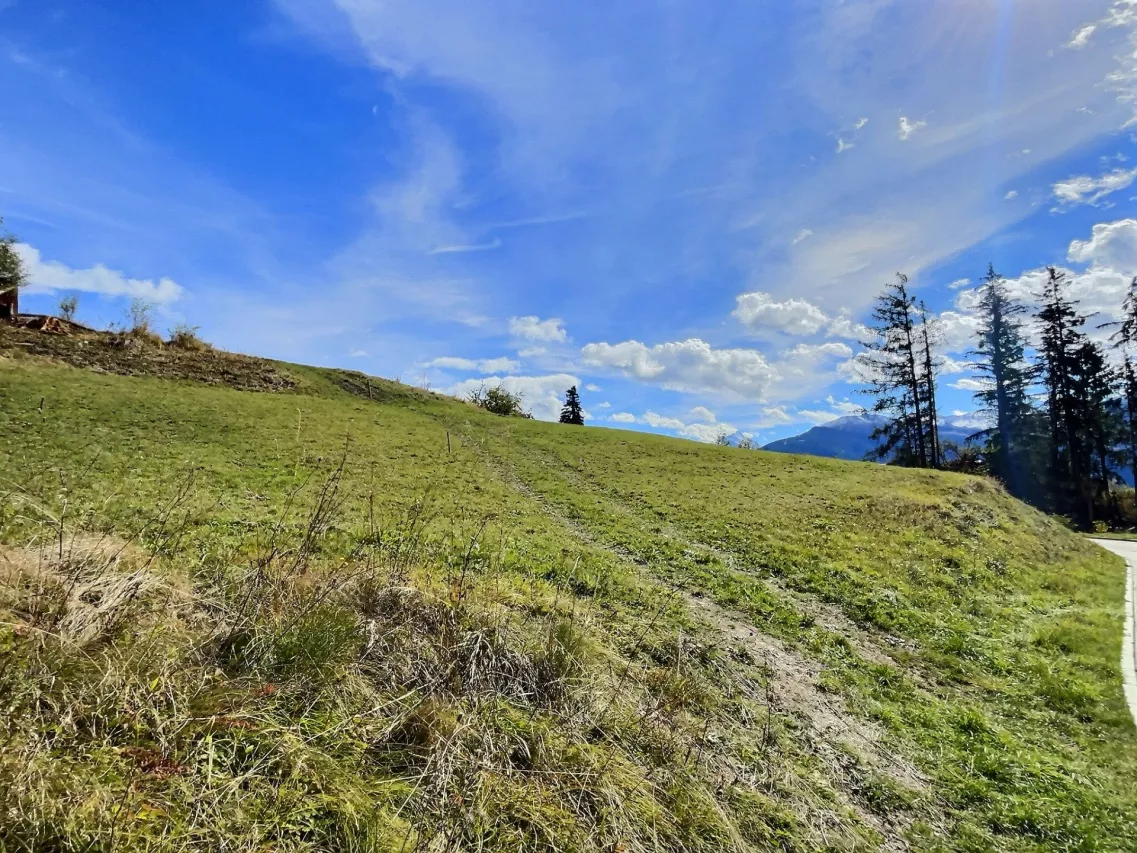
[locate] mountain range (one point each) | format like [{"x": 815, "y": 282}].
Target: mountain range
[{"x": 849, "y": 437}]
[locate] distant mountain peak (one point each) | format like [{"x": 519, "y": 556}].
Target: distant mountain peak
[{"x": 849, "y": 436}]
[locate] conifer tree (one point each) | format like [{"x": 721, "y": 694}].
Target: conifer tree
[
  {"x": 1001, "y": 354},
  {"x": 571, "y": 412},
  {"x": 1079, "y": 388},
  {"x": 1125, "y": 339},
  {"x": 896, "y": 379},
  {"x": 1129, "y": 393},
  {"x": 928, "y": 389}
]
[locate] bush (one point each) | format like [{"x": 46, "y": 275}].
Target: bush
[
  {"x": 68, "y": 305},
  {"x": 499, "y": 401},
  {"x": 141, "y": 317},
  {"x": 185, "y": 337}
]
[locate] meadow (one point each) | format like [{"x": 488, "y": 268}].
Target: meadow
[{"x": 247, "y": 605}]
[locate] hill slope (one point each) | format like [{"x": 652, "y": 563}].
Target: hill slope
[{"x": 294, "y": 619}]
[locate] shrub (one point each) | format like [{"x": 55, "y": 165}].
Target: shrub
[
  {"x": 185, "y": 337},
  {"x": 68, "y": 305},
  {"x": 499, "y": 401},
  {"x": 141, "y": 316}
]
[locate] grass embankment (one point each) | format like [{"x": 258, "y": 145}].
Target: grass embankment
[{"x": 295, "y": 620}]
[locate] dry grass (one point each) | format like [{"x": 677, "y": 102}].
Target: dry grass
[{"x": 379, "y": 696}]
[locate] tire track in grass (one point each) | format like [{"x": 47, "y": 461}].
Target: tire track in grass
[{"x": 852, "y": 748}]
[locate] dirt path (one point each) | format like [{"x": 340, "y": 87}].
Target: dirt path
[
  {"x": 851, "y": 748},
  {"x": 1128, "y": 550}
]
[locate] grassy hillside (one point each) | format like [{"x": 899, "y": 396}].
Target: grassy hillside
[{"x": 253, "y": 606}]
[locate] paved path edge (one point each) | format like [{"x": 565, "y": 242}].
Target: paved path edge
[{"x": 1129, "y": 639}]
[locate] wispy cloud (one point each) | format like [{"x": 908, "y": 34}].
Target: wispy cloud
[
  {"x": 460, "y": 248},
  {"x": 531, "y": 221},
  {"x": 1085, "y": 189},
  {"x": 1082, "y": 37},
  {"x": 907, "y": 128},
  {"x": 475, "y": 365}
]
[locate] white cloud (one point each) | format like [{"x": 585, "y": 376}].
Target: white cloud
[
  {"x": 604, "y": 405},
  {"x": 531, "y": 352},
  {"x": 542, "y": 395},
  {"x": 592, "y": 386},
  {"x": 843, "y": 326},
  {"x": 857, "y": 370},
  {"x": 970, "y": 383},
  {"x": 907, "y": 128},
  {"x": 1084, "y": 189},
  {"x": 706, "y": 433},
  {"x": 774, "y": 416},
  {"x": 498, "y": 365},
  {"x": 1011, "y": 194},
  {"x": 803, "y": 234},
  {"x": 811, "y": 352},
  {"x": 699, "y": 431},
  {"x": 52, "y": 276},
  {"x": 817, "y": 417},
  {"x": 702, "y": 413},
  {"x": 949, "y": 366},
  {"x": 357, "y": 353},
  {"x": 535, "y": 329},
  {"x": 957, "y": 329},
  {"x": 470, "y": 365},
  {"x": 1082, "y": 37},
  {"x": 843, "y": 146},
  {"x": 692, "y": 365},
  {"x": 660, "y": 422},
  {"x": 759, "y": 310},
  {"x": 861, "y": 122},
  {"x": 1098, "y": 290},
  {"x": 845, "y": 407},
  {"x": 1111, "y": 244}
]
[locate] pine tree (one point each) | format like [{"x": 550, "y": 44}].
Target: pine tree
[
  {"x": 928, "y": 389},
  {"x": 1129, "y": 392},
  {"x": 571, "y": 413},
  {"x": 1001, "y": 353},
  {"x": 896, "y": 380},
  {"x": 1101, "y": 414},
  {"x": 1125, "y": 339},
  {"x": 1079, "y": 390}
]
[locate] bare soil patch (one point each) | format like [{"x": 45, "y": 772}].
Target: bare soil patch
[{"x": 123, "y": 354}]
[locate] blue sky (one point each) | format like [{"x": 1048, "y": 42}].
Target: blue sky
[{"x": 684, "y": 207}]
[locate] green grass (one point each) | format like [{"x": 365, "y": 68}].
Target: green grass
[{"x": 319, "y": 629}]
